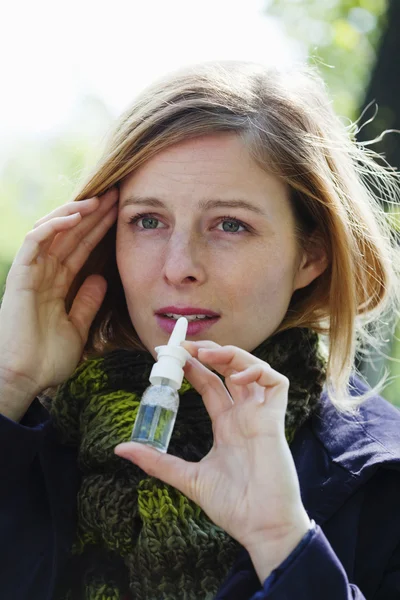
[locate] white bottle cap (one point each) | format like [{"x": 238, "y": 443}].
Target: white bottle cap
[{"x": 171, "y": 358}]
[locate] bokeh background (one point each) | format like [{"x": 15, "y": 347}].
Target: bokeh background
[{"x": 69, "y": 68}]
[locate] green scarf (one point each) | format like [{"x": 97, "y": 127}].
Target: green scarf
[{"x": 137, "y": 537}]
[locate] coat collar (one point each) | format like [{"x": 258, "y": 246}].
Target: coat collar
[{"x": 336, "y": 453}]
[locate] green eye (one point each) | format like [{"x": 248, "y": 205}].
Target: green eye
[
  {"x": 149, "y": 223},
  {"x": 230, "y": 226}
]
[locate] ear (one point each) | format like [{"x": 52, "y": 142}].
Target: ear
[{"x": 314, "y": 261}]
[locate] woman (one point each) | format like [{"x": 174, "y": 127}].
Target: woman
[{"x": 231, "y": 194}]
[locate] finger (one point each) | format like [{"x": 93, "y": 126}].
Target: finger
[
  {"x": 35, "y": 239},
  {"x": 64, "y": 245},
  {"x": 87, "y": 303},
  {"x": 228, "y": 359},
  {"x": 239, "y": 393},
  {"x": 255, "y": 374},
  {"x": 275, "y": 388},
  {"x": 78, "y": 257},
  {"x": 218, "y": 357},
  {"x": 85, "y": 207},
  {"x": 193, "y": 347},
  {"x": 174, "y": 471},
  {"x": 243, "y": 393},
  {"x": 215, "y": 396}
]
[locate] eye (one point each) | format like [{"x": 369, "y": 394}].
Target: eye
[
  {"x": 231, "y": 225},
  {"x": 148, "y": 221}
]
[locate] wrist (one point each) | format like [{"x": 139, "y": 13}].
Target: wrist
[
  {"x": 16, "y": 394},
  {"x": 269, "y": 549}
]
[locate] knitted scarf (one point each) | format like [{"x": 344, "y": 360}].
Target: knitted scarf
[{"x": 137, "y": 537}]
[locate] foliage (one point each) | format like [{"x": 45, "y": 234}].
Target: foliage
[
  {"x": 40, "y": 174},
  {"x": 341, "y": 37},
  {"x": 391, "y": 393}
]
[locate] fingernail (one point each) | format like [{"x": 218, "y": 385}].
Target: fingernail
[
  {"x": 122, "y": 455},
  {"x": 121, "y": 450},
  {"x": 235, "y": 375}
]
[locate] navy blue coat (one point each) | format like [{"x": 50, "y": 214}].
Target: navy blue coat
[{"x": 349, "y": 472}]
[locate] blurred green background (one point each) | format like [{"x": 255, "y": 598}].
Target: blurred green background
[
  {"x": 354, "y": 44},
  {"x": 356, "y": 47}
]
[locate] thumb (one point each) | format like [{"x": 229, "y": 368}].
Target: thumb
[
  {"x": 87, "y": 303},
  {"x": 179, "y": 473}
]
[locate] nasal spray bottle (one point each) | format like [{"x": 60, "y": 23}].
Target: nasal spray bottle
[{"x": 160, "y": 402}]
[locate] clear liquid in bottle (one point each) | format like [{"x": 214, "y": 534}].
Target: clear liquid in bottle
[{"x": 156, "y": 416}]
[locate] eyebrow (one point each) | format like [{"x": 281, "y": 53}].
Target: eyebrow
[{"x": 203, "y": 204}]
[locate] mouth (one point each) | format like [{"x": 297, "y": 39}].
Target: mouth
[{"x": 197, "y": 323}]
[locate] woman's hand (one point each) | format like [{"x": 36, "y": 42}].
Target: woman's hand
[
  {"x": 40, "y": 344},
  {"x": 247, "y": 484}
]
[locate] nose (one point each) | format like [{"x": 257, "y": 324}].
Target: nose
[{"x": 184, "y": 260}]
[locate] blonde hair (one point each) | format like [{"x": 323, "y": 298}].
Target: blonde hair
[{"x": 337, "y": 190}]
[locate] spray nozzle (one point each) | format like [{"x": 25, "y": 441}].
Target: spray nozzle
[
  {"x": 171, "y": 358},
  {"x": 179, "y": 332}
]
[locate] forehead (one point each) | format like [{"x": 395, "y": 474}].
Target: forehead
[
  {"x": 211, "y": 165},
  {"x": 217, "y": 155}
]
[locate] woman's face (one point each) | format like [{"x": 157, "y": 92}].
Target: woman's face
[{"x": 202, "y": 227}]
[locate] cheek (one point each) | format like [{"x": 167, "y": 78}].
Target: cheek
[
  {"x": 240, "y": 281},
  {"x": 130, "y": 269},
  {"x": 123, "y": 256},
  {"x": 259, "y": 284}
]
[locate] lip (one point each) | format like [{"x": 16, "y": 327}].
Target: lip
[
  {"x": 186, "y": 310},
  {"x": 194, "y": 327}
]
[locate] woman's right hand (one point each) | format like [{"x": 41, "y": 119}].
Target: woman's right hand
[{"x": 40, "y": 344}]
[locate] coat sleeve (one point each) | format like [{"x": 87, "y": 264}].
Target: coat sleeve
[
  {"x": 21, "y": 442},
  {"x": 39, "y": 484},
  {"x": 312, "y": 572},
  {"x": 26, "y": 549}
]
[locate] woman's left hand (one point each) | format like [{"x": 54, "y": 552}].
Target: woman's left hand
[{"x": 247, "y": 484}]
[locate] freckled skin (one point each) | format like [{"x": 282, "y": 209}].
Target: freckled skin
[{"x": 247, "y": 277}]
